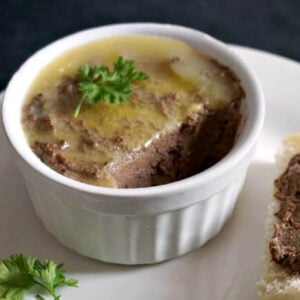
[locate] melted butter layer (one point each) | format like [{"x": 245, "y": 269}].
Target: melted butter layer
[{"x": 182, "y": 81}]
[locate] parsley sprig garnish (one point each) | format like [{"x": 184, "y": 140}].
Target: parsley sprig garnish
[
  {"x": 98, "y": 83},
  {"x": 20, "y": 273}
]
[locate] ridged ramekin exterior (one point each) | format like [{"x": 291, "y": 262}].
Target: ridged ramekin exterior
[{"x": 132, "y": 239}]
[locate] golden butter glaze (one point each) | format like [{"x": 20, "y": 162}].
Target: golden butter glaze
[{"x": 175, "y": 69}]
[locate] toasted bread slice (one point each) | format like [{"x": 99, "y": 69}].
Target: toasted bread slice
[{"x": 276, "y": 282}]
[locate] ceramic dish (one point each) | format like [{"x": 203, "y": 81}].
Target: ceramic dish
[{"x": 134, "y": 226}]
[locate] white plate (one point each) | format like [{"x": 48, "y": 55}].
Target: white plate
[{"x": 226, "y": 268}]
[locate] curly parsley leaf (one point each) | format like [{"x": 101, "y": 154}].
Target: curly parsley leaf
[
  {"x": 19, "y": 273},
  {"x": 98, "y": 83}
]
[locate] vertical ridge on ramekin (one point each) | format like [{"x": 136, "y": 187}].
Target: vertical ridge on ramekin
[{"x": 131, "y": 239}]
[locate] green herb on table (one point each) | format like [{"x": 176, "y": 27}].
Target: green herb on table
[
  {"x": 98, "y": 83},
  {"x": 20, "y": 273}
]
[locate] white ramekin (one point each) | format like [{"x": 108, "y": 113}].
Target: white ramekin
[{"x": 144, "y": 225}]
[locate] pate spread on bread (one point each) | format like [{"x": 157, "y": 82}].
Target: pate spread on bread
[{"x": 280, "y": 277}]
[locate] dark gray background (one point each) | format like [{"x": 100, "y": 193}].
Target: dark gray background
[{"x": 27, "y": 25}]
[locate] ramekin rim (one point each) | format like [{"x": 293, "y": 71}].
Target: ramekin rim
[{"x": 216, "y": 170}]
